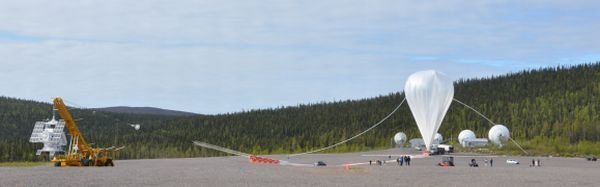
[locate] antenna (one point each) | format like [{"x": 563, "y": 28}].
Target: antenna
[
  {"x": 51, "y": 134},
  {"x": 54, "y": 113}
]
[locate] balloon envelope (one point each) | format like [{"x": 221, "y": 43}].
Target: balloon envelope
[{"x": 429, "y": 94}]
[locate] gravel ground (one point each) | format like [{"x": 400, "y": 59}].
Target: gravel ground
[{"x": 237, "y": 171}]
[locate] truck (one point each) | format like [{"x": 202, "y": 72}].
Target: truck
[
  {"x": 441, "y": 149},
  {"x": 447, "y": 148},
  {"x": 79, "y": 153}
]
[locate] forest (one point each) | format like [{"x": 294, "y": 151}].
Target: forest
[{"x": 550, "y": 111}]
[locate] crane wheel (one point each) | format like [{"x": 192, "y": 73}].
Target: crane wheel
[
  {"x": 85, "y": 162},
  {"x": 109, "y": 163}
]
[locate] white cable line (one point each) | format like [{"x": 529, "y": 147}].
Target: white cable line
[
  {"x": 515, "y": 142},
  {"x": 359, "y": 134},
  {"x": 488, "y": 119},
  {"x": 234, "y": 152},
  {"x": 74, "y": 106}
]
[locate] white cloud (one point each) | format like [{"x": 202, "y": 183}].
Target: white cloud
[{"x": 219, "y": 56}]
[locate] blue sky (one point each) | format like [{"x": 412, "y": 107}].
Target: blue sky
[{"x": 219, "y": 56}]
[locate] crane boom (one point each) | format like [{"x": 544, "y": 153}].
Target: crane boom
[
  {"x": 80, "y": 153},
  {"x": 71, "y": 126}
]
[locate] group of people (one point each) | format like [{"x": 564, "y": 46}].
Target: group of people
[
  {"x": 491, "y": 162},
  {"x": 401, "y": 160},
  {"x": 535, "y": 163},
  {"x": 473, "y": 163}
]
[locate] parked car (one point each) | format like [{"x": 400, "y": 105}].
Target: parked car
[
  {"x": 592, "y": 158},
  {"x": 512, "y": 161},
  {"x": 320, "y": 163}
]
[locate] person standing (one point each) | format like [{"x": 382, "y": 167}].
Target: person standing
[
  {"x": 401, "y": 160},
  {"x": 491, "y": 162}
]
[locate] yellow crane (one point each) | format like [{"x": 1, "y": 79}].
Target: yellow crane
[{"x": 79, "y": 153}]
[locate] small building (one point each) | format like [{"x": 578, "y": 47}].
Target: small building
[{"x": 476, "y": 142}]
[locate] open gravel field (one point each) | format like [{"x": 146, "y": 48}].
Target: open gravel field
[{"x": 237, "y": 171}]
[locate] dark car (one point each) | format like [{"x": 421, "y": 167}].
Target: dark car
[{"x": 320, "y": 163}]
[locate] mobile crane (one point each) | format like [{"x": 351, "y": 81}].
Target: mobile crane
[{"x": 79, "y": 153}]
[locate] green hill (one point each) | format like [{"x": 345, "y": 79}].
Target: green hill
[{"x": 549, "y": 111}]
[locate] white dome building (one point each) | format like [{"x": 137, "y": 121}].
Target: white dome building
[
  {"x": 466, "y": 135},
  {"x": 438, "y": 138},
  {"x": 400, "y": 139},
  {"x": 499, "y": 134}
]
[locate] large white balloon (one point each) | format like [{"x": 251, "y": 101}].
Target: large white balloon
[
  {"x": 400, "y": 138},
  {"x": 429, "y": 94}
]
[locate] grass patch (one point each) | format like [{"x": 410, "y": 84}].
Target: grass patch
[{"x": 24, "y": 164}]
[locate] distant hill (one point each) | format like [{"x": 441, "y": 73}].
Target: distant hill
[{"x": 144, "y": 110}]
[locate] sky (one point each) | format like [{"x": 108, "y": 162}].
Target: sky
[{"x": 216, "y": 56}]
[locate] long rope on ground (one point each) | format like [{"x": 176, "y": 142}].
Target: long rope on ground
[
  {"x": 491, "y": 122},
  {"x": 219, "y": 148},
  {"x": 355, "y": 136}
]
